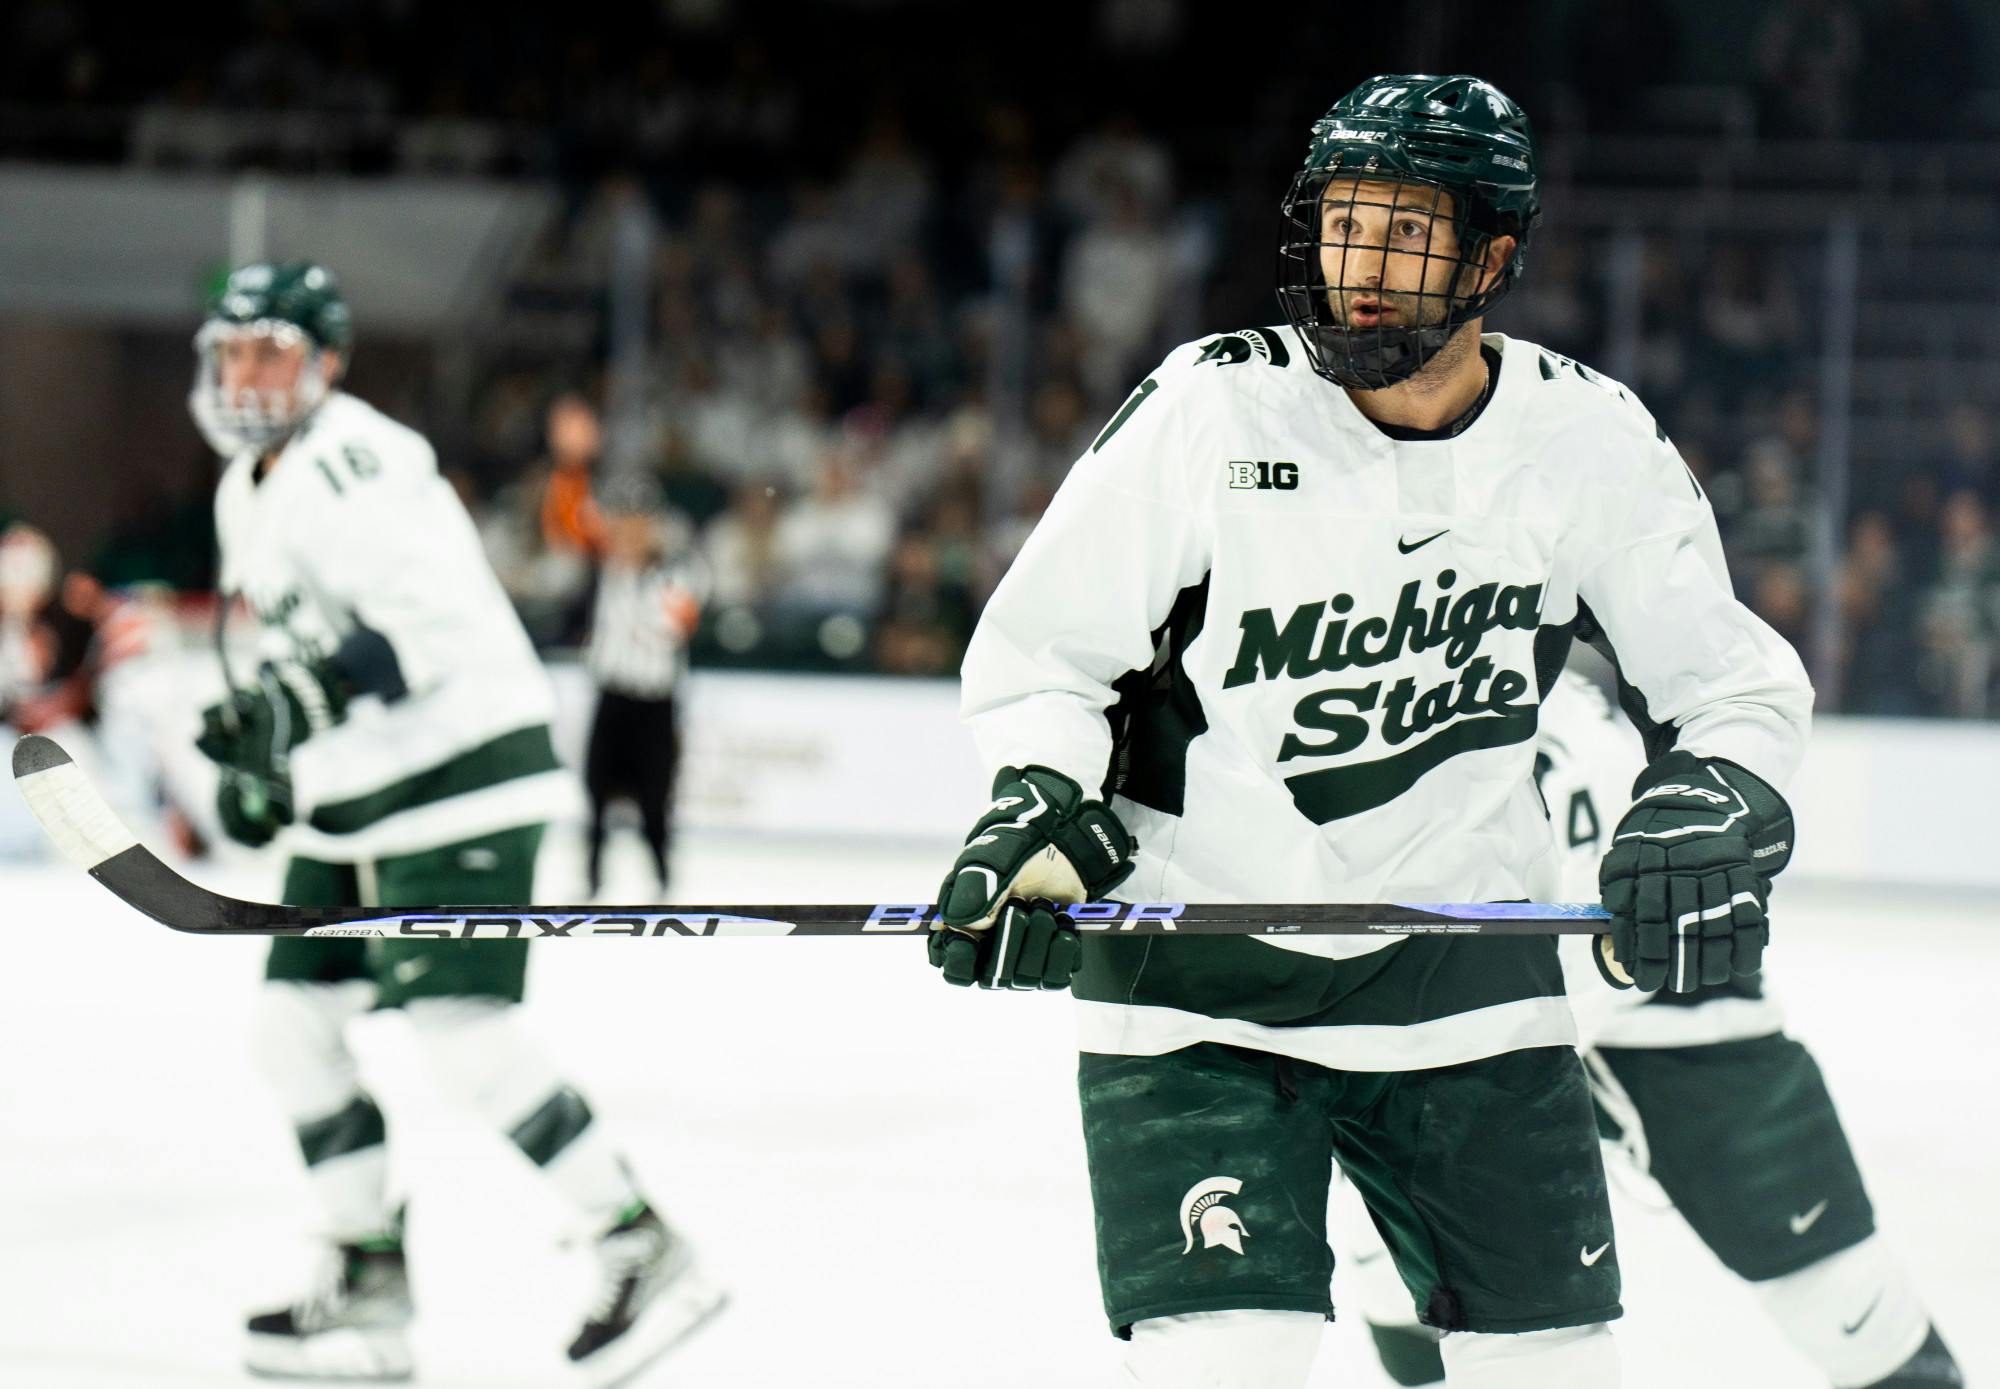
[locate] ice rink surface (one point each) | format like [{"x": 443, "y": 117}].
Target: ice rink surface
[{"x": 887, "y": 1172}]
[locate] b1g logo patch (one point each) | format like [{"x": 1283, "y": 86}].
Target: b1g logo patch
[
  {"x": 1246, "y": 475},
  {"x": 1203, "y": 1214}
]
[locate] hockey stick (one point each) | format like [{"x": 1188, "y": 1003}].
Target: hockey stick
[
  {"x": 254, "y": 791},
  {"x": 82, "y": 825}
]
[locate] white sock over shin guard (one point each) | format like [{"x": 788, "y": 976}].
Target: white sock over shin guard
[
  {"x": 1222, "y": 1350},
  {"x": 1855, "y": 1314},
  {"x": 298, "y": 1041},
  {"x": 487, "y": 1059},
  {"x": 1575, "y": 1357}
]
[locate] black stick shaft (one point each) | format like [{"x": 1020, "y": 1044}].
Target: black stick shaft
[
  {"x": 903, "y": 919},
  {"x": 85, "y": 829}
]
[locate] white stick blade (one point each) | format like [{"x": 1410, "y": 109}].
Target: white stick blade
[{"x": 69, "y": 809}]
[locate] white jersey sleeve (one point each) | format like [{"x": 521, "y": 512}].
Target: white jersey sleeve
[
  {"x": 1652, "y": 574},
  {"x": 1097, "y": 577}
]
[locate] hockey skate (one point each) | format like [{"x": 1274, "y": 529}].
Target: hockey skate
[
  {"x": 651, "y": 1295},
  {"x": 353, "y": 1326}
]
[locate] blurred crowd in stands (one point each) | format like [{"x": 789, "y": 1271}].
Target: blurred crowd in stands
[
  {"x": 828, "y": 399},
  {"x": 517, "y": 89},
  {"x": 818, "y": 397}
]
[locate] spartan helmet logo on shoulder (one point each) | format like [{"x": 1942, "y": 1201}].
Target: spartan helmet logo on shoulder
[{"x": 1203, "y": 1213}]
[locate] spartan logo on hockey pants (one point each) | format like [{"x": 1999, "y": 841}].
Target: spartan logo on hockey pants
[{"x": 1203, "y": 1213}]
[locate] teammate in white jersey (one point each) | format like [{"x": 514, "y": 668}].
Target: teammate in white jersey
[
  {"x": 1291, "y": 616},
  {"x": 395, "y": 743},
  {"x": 1705, "y": 1093}
]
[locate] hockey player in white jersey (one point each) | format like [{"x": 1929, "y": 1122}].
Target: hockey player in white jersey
[
  {"x": 395, "y": 743},
  {"x": 1703, "y": 1092},
  {"x": 1281, "y": 636}
]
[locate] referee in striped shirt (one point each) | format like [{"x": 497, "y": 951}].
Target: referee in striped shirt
[{"x": 649, "y": 594}]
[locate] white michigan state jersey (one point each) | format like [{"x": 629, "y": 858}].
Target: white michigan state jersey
[
  {"x": 1307, "y": 658},
  {"x": 1587, "y": 757},
  {"x": 351, "y": 527}
]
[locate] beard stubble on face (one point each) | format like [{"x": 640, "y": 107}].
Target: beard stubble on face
[
  {"x": 1364, "y": 305},
  {"x": 1406, "y": 308},
  {"x": 1444, "y": 363}
]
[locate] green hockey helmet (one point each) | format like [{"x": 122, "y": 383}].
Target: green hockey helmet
[
  {"x": 295, "y": 304},
  {"x": 1395, "y": 163}
]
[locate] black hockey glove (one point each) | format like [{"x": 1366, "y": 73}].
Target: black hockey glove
[
  {"x": 1031, "y": 945},
  {"x": 252, "y": 810},
  {"x": 256, "y": 728},
  {"x": 1688, "y": 875},
  {"x": 1039, "y": 846},
  {"x": 252, "y": 734}
]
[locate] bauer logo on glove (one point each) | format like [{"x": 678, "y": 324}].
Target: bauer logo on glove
[{"x": 1039, "y": 846}]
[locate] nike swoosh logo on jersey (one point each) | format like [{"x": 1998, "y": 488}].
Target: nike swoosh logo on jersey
[
  {"x": 1404, "y": 547},
  {"x": 1804, "y": 1222},
  {"x": 1862, "y": 1319},
  {"x": 1591, "y": 1256}
]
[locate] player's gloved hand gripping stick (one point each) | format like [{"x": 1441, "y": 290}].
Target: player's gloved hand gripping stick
[
  {"x": 1687, "y": 879},
  {"x": 251, "y": 735},
  {"x": 1038, "y": 846}
]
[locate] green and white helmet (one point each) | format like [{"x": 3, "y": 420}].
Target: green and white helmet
[
  {"x": 1417, "y": 142},
  {"x": 281, "y": 306}
]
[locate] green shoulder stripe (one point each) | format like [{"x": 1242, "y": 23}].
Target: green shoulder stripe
[
  {"x": 524, "y": 752},
  {"x": 1146, "y": 388}
]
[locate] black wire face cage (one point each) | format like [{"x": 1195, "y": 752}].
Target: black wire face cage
[{"x": 1407, "y": 254}]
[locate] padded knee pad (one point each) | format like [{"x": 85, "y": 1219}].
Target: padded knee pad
[
  {"x": 298, "y": 1042},
  {"x": 483, "y": 1057},
  {"x": 1575, "y": 1357},
  {"x": 1223, "y": 1350},
  {"x": 1855, "y": 1314}
]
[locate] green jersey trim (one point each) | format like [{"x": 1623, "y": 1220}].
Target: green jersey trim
[
  {"x": 1119, "y": 1029},
  {"x": 1259, "y": 982},
  {"x": 521, "y": 753},
  {"x": 1158, "y": 713}
]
